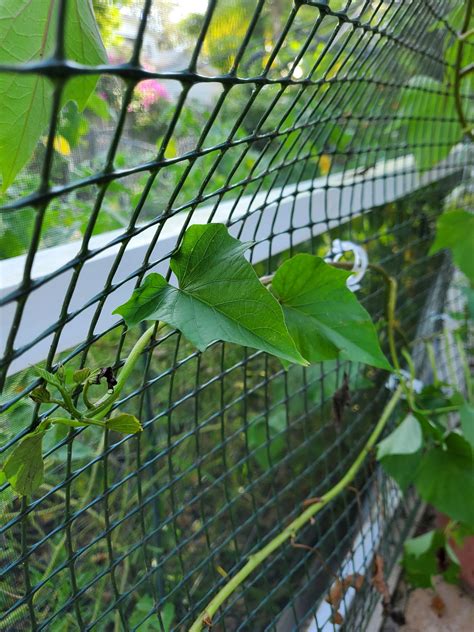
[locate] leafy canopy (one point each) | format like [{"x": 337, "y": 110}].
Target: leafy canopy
[
  {"x": 421, "y": 559},
  {"x": 28, "y": 33}
]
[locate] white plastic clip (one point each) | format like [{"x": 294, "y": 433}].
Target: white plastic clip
[
  {"x": 361, "y": 260},
  {"x": 416, "y": 385}
]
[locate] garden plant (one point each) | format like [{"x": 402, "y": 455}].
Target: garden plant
[{"x": 303, "y": 313}]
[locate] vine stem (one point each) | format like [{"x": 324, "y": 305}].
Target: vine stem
[
  {"x": 104, "y": 405},
  {"x": 292, "y": 529}
]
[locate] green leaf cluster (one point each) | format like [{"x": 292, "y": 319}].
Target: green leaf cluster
[
  {"x": 24, "y": 467},
  {"x": 308, "y": 316},
  {"x": 437, "y": 461},
  {"x": 428, "y": 555}
]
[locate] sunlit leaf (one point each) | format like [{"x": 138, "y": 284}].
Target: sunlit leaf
[
  {"x": 407, "y": 438},
  {"x": 62, "y": 146},
  {"x": 27, "y": 33},
  {"x": 24, "y": 466},
  {"x": 219, "y": 297},
  {"x": 324, "y": 164}
]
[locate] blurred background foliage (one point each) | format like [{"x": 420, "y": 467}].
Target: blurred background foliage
[{"x": 324, "y": 107}]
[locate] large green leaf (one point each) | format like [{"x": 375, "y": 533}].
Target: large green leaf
[
  {"x": 219, "y": 297},
  {"x": 323, "y": 315},
  {"x": 24, "y": 467},
  {"x": 27, "y": 33},
  {"x": 429, "y": 140},
  {"x": 446, "y": 479},
  {"x": 455, "y": 230}
]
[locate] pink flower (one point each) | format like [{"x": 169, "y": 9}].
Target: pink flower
[{"x": 150, "y": 91}]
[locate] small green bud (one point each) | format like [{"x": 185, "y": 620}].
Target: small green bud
[
  {"x": 40, "y": 395},
  {"x": 61, "y": 373},
  {"x": 81, "y": 375}
]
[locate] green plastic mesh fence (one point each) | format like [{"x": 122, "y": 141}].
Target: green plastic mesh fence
[{"x": 285, "y": 121}]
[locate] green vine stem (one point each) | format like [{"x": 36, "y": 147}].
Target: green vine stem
[
  {"x": 103, "y": 406},
  {"x": 460, "y": 73},
  {"x": 290, "y": 532}
]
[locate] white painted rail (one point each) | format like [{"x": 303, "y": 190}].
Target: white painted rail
[{"x": 311, "y": 207}]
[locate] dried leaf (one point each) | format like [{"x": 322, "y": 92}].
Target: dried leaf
[
  {"x": 353, "y": 581},
  {"x": 207, "y": 620},
  {"x": 341, "y": 399},
  {"x": 335, "y": 594},
  {"x": 337, "y": 618},
  {"x": 378, "y": 579},
  {"x": 438, "y": 606},
  {"x": 107, "y": 373},
  {"x": 312, "y": 501},
  {"x": 324, "y": 164}
]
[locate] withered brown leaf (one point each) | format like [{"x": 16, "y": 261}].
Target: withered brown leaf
[
  {"x": 341, "y": 399},
  {"x": 378, "y": 579}
]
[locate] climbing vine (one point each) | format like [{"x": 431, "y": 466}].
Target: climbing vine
[{"x": 303, "y": 313}]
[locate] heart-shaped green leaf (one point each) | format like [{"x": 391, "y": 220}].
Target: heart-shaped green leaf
[
  {"x": 400, "y": 452},
  {"x": 219, "y": 297},
  {"x": 323, "y": 315},
  {"x": 24, "y": 466},
  {"x": 407, "y": 438}
]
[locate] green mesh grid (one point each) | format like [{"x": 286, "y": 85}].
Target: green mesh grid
[{"x": 138, "y": 533}]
